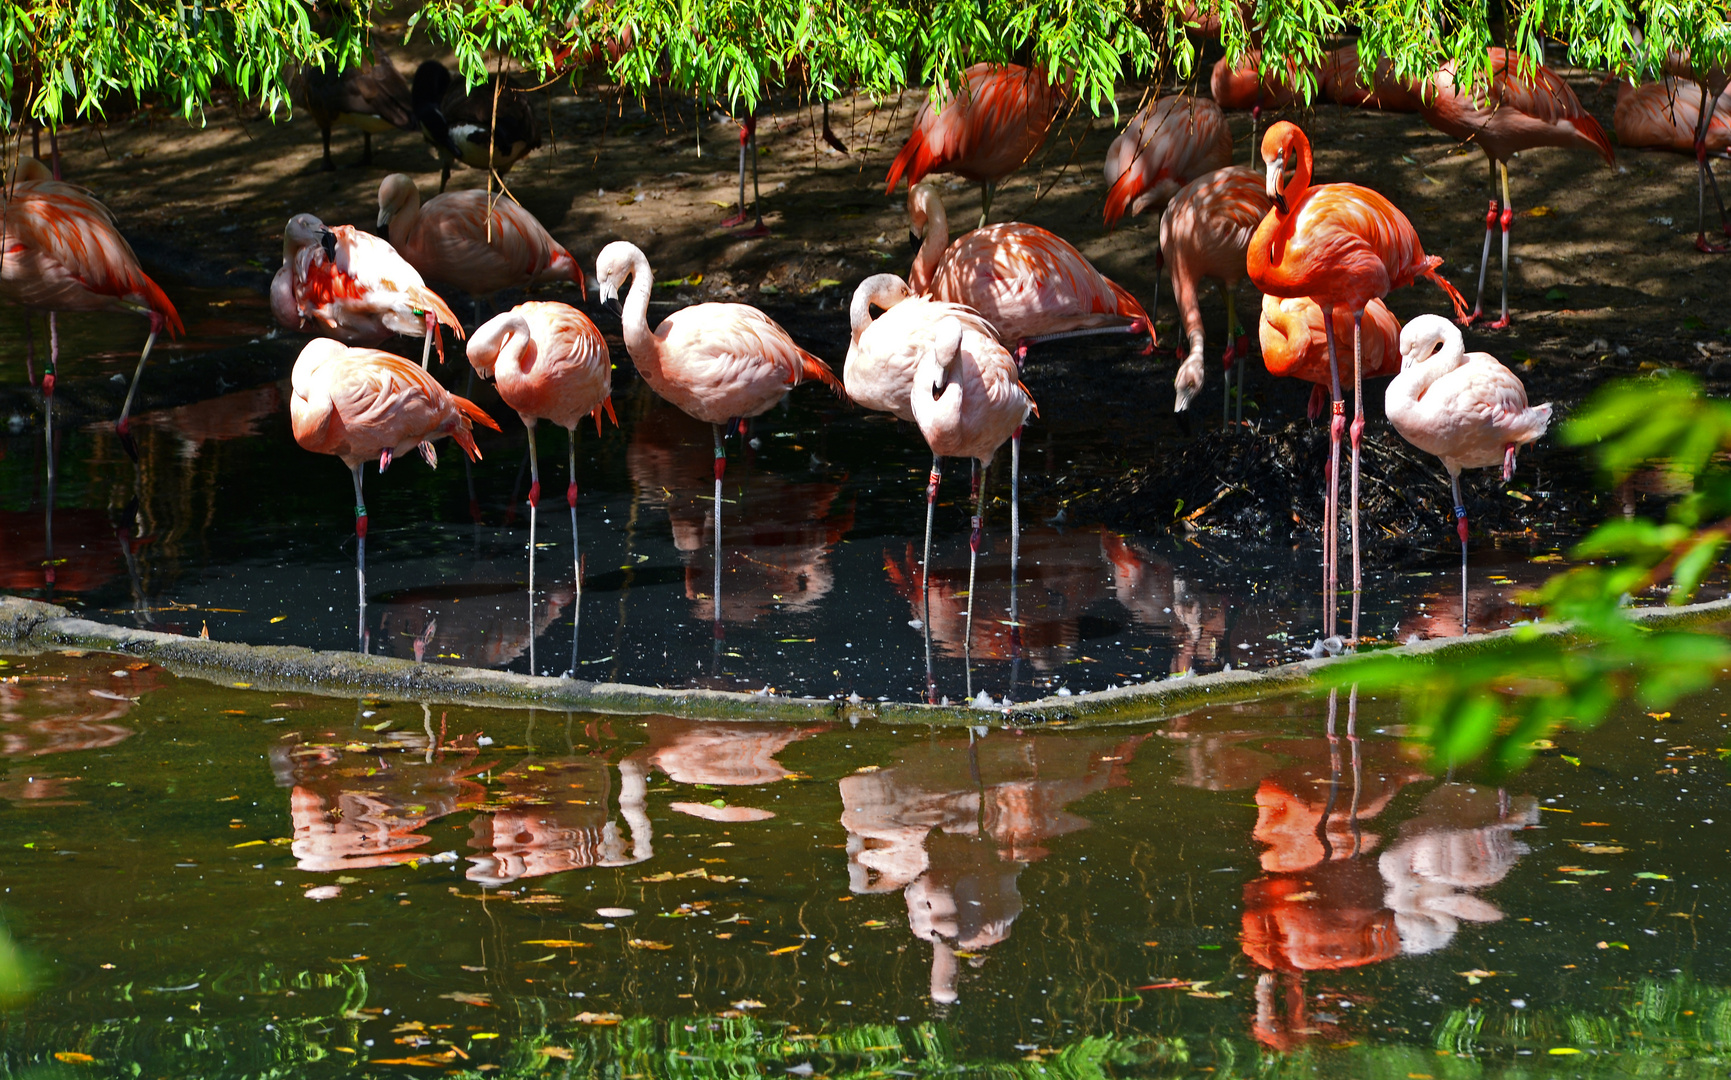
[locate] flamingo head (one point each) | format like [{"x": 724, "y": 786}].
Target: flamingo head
[
  {"x": 1279, "y": 149},
  {"x": 396, "y": 192},
  {"x": 303, "y": 231},
  {"x": 881, "y": 290},
  {"x": 504, "y": 337},
  {"x": 921, "y": 198},
  {"x": 613, "y": 267},
  {"x": 1428, "y": 336}
]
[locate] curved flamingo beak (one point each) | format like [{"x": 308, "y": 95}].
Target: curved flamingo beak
[{"x": 610, "y": 297}]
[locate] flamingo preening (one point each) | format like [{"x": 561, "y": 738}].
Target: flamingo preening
[{"x": 1295, "y": 346}]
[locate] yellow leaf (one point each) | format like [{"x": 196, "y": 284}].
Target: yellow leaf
[
  {"x": 1538, "y": 211},
  {"x": 73, "y": 1057},
  {"x": 559, "y": 943},
  {"x": 1563, "y": 1050},
  {"x": 555, "y": 1052},
  {"x": 593, "y": 1018},
  {"x": 279, "y": 618},
  {"x": 640, "y": 943},
  {"x": 784, "y": 951},
  {"x": 485, "y": 1035},
  {"x": 249, "y": 843}
]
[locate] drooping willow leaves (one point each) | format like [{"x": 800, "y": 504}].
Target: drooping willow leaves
[{"x": 67, "y": 58}]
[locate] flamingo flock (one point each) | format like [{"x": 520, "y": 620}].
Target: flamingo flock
[{"x": 947, "y": 347}]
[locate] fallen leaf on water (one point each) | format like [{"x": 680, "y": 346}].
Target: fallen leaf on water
[
  {"x": 1650, "y": 876},
  {"x": 1612, "y": 945},
  {"x": 464, "y": 998},
  {"x": 1210, "y": 993},
  {"x": 248, "y": 843},
  {"x": 786, "y": 950},
  {"x": 1590, "y": 848},
  {"x": 595, "y": 1018},
  {"x": 555, "y": 1052},
  {"x": 641, "y": 943},
  {"x": 559, "y": 943},
  {"x": 748, "y": 1003},
  {"x": 874, "y": 923},
  {"x": 485, "y": 1035},
  {"x": 426, "y": 1061},
  {"x": 1169, "y": 984},
  {"x": 1562, "y": 1050},
  {"x": 593, "y": 926},
  {"x": 278, "y": 618},
  {"x": 73, "y": 1057},
  {"x": 1475, "y": 976}
]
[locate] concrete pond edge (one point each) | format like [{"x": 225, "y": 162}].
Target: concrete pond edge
[{"x": 31, "y": 625}]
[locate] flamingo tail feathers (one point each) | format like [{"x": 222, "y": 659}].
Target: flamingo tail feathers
[
  {"x": 1454, "y": 294},
  {"x": 1595, "y": 134},
  {"x": 476, "y": 414},
  {"x": 810, "y": 367},
  {"x": 1129, "y": 306},
  {"x": 160, "y": 303},
  {"x": 1029, "y": 394},
  {"x": 915, "y": 161},
  {"x": 1123, "y": 193},
  {"x": 595, "y": 413},
  {"x": 431, "y": 300}
]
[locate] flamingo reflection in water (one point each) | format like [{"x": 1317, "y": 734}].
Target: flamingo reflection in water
[
  {"x": 955, "y": 822},
  {"x": 75, "y": 711},
  {"x": 778, "y": 559},
  {"x": 357, "y": 809},
  {"x": 447, "y": 622},
  {"x": 555, "y": 814}
]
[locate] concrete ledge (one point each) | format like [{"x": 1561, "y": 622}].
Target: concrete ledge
[{"x": 29, "y": 625}]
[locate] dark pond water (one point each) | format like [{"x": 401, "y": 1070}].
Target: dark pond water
[
  {"x": 217, "y": 882},
  {"x": 226, "y": 524}
]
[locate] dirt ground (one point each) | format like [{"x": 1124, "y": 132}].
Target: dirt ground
[{"x": 1605, "y": 281}]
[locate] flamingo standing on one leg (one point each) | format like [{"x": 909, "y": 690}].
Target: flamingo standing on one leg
[
  {"x": 967, "y": 400},
  {"x": 361, "y": 404},
  {"x": 1667, "y": 115},
  {"x": 1205, "y": 232},
  {"x": 551, "y": 363},
  {"x": 353, "y": 286},
  {"x": 984, "y": 133},
  {"x": 1168, "y": 144},
  {"x": 718, "y": 363},
  {"x": 467, "y": 239},
  {"x": 1466, "y": 408},
  {"x": 1030, "y": 284},
  {"x": 1514, "y": 112},
  {"x": 1342, "y": 245},
  {"x": 60, "y": 251},
  {"x": 1712, "y": 83},
  {"x": 1294, "y": 345}
]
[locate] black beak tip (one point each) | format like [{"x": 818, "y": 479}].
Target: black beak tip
[
  {"x": 612, "y": 304},
  {"x": 1280, "y": 202},
  {"x": 914, "y": 242},
  {"x": 328, "y": 240}
]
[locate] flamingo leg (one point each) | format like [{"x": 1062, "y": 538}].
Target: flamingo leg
[
  {"x": 123, "y": 426},
  {"x": 534, "y": 513},
  {"x": 1705, "y": 179},
  {"x": 48, "y": 378},
  {"x": 926, "y": 576},
  {"x": 1352, "y": 740},
  {"x": 1230, "y": 360},
  {"x": 1508, "y": 218},
  {"x": 360, "y": 555},
  {"x": 1461, "y": 528},
  {"x": 720, "y": 471},
  {"x": 1357, "y": 438},
  {"x": 576, "y": 556},
  {"x": 1015, "y": 544},
  {"x": 987, "y": 187},
  {"x": 1485, "y": 254},
  {"x": 427, "y": 342},
  {"x": 29, "y": 351},
  {"x": 974, "y": 534},
  {"x": 1331, "y": 512}
]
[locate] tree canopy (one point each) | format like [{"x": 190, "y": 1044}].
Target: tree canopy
[{"x": 72, "y": 58}]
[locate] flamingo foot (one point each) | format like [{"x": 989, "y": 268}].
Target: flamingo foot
[
  {"x": 1357, "y": 432},
  {"x": 760, "y": 229},
  {"x": 736, "y": 220},
  {"x": 122, "y": 428},
  {"x": 429, "y": 455},
  {"x": 1500, "y": 324},
  {"x": 1704, "y": 247},
  {"x": 1473, "y": 316}
]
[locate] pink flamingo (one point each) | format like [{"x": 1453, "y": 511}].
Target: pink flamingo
[
  {"x": 1466, "y": 408},
  {"x": 1030, "y": 284},
  {"x": 353, "y": 286},
  {"x": 1515, "y": 112},
  {"x": 1205, "y": 232},
  {"x": 361, "y": 404},
  {"x": 479, "y": 244},
  {"x": 1245, "y": 87},
  {"x": 1712, "y": 83},
  {"x": 718, "y": 363},
  {"x": 551, "y": 363},
  {"x": 984, "y": 133},
  {"x": 1294, "y": 345},
  {"x": 882, "y": 354},
  {"x": 1171, "y": 142},
  {"x": 1342, "y": 245},
  {"x": 1343, "y": 86},
  {"x": 1667, "y": 116},
  {"x": 967, "y": 400},
  {"x": 61, "y": 252}
]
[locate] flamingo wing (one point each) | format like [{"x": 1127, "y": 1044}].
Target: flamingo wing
[
  {"x": 731, "y": 361},
  {"x": 62, "y": 252}
]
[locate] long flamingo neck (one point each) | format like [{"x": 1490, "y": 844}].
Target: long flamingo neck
[
  {"x": 931, "y": 248},
  {"x": 1301, "y": 169},
  {"x": 640, "y": 341},
  {"x": 403, "y": 222},
  {"x": 859, "y": 315}
]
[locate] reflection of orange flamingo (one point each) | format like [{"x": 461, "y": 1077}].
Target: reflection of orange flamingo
[
  {"x": 549, "y": 815},
  {"x": 954, "y": 822},
  {"x": 1159, "y": 597},
  {"x": 723, "y": 754},
  {"x": 218, "y": 419},
  {"x": 40, "y": 717},
  {"x": 434, "y": 622}
]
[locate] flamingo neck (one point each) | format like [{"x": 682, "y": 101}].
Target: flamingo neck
[
  {"x": 859, "y": 315},
  {"x": 519, "y": 355},
  {"x": 1301, "y": 170},
  {"x": 640, "y": 341},
  {"x": 1421, "y": 376},
  {"x": 403, "y": 222},
  {"x": 931, "y": 248}
]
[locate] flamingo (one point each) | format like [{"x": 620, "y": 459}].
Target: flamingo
[
  {"x": 370, "y": 98},
  {"x": 984, "y": 133},
  {"x": 1712, "y": 83},
  {"x": 468, "y": 239},
  {"x": 1030, "y": 284},
  {"x": 361, "y": 404},
  {"x": 490, "y": 127},
  {"x": 880, "y": 361},
  {"x": 718, "y": 363},
  {"x": 1205, "y": 232},
  {"x": 1667, "y": 116},
  {"x": 1466, "y": 408},
  {"x": 353, "y": 286},
  {"x": 1171, "y": 142},
  {"x": 1342, "y": 84},
  {"x": 967, "y": 400},
  {"x": 1295, "y": 346},
  {"x": 1245, "y": 87},
  {"x": 1342, "y": 245},
  {"x": 60, "y": 251},
  {"x": 551, "y": 363},
  {"x": 1514, "y": 112}
]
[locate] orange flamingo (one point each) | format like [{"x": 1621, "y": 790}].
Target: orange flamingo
[
  {"x": 360, "y": 404},
  {"x": 984, "y": 133},
  {"x": 551, "y": 363},
  {"x": 1168, "y": 144},
  {"x": 718, "y": 363},
  {"x": 1245, "y": 87},
  {"x": 1466, "y": 408},
  {"x": 1515, "y": 111},
  {"x": 1295, "y": 346},
  {"x": 61, "y": 252},
  {"x": 967, "y": 399},
  {"x": 1205, "y": 232},
  {"x": 1342, "y": 84},
  {"x": 353, "y": 286},
  {"x": 1667, "y": 116},
  {"x": 1341, "y": 245},
  {"x": 1712, "y": 83},
  {"x": 472, "y": 241},
  {"x": 1030, "y": 284}
]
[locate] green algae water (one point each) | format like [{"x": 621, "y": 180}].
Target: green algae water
[{"x": 208, "y": 881}]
